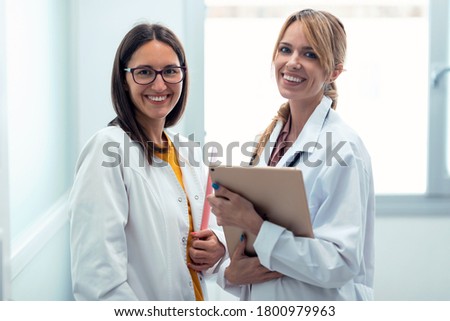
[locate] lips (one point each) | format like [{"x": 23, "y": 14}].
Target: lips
[
  {"x": 157, "y": 98},
  {"x": 293, "y": 79}
]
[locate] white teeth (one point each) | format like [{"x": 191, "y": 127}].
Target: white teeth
[
  {"x": 157, "y": 98},
  {"x": 293, "y": 79}
]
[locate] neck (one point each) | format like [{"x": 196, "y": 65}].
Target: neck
[
  {"x": 155, "y": 132},
  {"x": 300, "y": 113}
]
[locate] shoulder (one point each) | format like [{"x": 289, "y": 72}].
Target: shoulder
[
  {"x": 339, "y": 126},
  {"x": 337, "y": 132},
  {"x": 108, "y": 137},
  {"x": 104, "y": 144}
]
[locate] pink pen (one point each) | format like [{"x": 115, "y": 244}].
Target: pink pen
[{"x": 206, "y": 207}]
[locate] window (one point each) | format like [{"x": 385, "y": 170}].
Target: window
[{"x": 384, "y": 92}]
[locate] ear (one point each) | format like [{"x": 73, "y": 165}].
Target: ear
[{"x": 336, "y": 72}]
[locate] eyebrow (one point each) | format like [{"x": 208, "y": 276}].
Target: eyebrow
[
  {"x": 285, "y": 44},
  {"x": 290, "y": 45},
  {"x": 149, "y": 66}
]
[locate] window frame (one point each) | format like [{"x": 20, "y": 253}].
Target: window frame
[
  {"x": 436, "y": 200},
  {"x": 438, "y": 128}
]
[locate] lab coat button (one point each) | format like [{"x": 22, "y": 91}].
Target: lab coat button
[
  {"x": 196, "y": 197},
  {"x": 184, "y": 240},
  {"x": 180, "y": 199},
  {"x": 190, "y": 284}
]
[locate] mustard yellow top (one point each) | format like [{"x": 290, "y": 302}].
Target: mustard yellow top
[{"x": 171, "y": 157}]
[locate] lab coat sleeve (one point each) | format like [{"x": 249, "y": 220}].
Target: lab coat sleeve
[
  {"x": 333, "y": 257},
  {"x": 236, "y": 290},
  {"x": 98, "y": 209}
]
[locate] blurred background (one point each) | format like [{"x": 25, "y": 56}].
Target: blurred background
[{"x": 55, "y": 66}]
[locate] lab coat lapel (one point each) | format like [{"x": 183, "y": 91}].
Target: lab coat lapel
[
  {"x": 307, "y": 140},
  {"x": 194, "y": 179}
]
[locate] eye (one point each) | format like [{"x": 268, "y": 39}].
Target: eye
[
  {"x": 284, "y": 50},
  {"x": 310, "y": 54},
  {"x": 144, "y": 72},
  {"x": 170, "y": 71}
]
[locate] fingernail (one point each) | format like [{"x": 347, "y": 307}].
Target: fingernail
[{"x": 215, "y": 186}]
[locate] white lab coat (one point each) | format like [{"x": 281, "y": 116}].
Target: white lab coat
[
  {"x": 129, "y": 221},
  {"x": 338, "y": 264}
]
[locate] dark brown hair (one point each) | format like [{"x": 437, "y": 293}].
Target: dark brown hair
[{"x": 122, "y": 103}]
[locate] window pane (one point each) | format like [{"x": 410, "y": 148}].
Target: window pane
[{"x": 383, "y": 92}]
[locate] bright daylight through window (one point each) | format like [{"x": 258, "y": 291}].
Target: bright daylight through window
[{"x": 383, "y": 93}]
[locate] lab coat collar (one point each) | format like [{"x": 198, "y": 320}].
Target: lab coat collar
[{"x": 307, "y": 140}]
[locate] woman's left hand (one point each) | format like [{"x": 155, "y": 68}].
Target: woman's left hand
[{"x": 205, "y": 250}]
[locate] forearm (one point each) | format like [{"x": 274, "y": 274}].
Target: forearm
[
  {"x": 299, "y": 257},
  {"x": 252, "y": 223},
  {"x": 224, "y": 283}
]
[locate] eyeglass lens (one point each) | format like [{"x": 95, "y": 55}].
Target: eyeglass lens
[{"x": 146, "y": 75}]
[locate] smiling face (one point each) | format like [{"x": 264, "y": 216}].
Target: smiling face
[
  {"x": 299, "y": 74},
  {"x": 154, "y": 101}
]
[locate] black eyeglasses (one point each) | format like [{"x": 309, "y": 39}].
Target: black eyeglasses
[{"x": 147, "y": 75}]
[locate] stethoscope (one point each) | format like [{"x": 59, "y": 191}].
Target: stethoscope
[{"x": 294, "y": 159}]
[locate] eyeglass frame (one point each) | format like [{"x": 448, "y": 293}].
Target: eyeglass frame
[{"x": 158, "y": 72}]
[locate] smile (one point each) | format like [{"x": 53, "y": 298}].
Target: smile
[
  {"x": 157, "y": 98},
  {"x": 293, "y": 79}
]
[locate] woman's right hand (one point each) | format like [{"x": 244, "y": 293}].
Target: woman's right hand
[
  {"x": 244, "y": 269},
  {"x": 232, "y": 209}
]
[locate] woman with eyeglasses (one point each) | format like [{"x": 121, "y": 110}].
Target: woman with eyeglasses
[
  {"x": 307, "y": 133},
  {"x": 137, "y": 200}
]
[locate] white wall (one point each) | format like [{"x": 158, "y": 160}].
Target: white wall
[
  {"x": 38, "y": 146},
  {"x": 37, "y": 89},
  {"x": 46, "y": 276},
  {"x": 4, "y": 180},
  {"x": 412, "y": 257}
]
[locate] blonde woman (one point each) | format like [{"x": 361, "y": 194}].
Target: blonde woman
[{"x": 307, "y": 133}]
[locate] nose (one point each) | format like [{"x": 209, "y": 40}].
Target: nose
[
  {"x": 294, "y": 62},
  {"x": 159, "y": 84}
]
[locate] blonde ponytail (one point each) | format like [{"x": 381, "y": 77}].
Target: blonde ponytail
[
  {"x": 282, "y": 114},
  {"x": 331, "y": 91}
]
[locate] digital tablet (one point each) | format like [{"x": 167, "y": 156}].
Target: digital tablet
[{"x": 277, "y": 193}]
